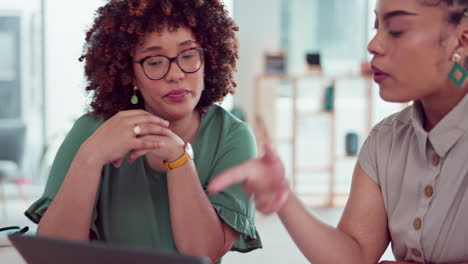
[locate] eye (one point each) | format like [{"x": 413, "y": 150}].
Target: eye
[
  {"x": 395, "y": 34},
  {"x": 156, "y": 61},
  {"x": 187, "y": 55}
]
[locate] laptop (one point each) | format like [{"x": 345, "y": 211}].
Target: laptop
[{"x": 42, "y": 250}]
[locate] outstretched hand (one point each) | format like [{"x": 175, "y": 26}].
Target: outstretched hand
[{"x": 262, "y": 178}]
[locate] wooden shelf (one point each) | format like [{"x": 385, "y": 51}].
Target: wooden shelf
[
  {"x": 323, "y": 200},
  {"x": 312, "y": 169},
  {"x": 266, "y": 99},
  {"x": 314, "y": 113},
  {"x": 346, "y": 156}
]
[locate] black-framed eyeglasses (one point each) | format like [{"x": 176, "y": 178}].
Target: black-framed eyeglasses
[{"x": 158, "y": 66}]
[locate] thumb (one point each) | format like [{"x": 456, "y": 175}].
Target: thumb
[{"x": 270, "y": 154}]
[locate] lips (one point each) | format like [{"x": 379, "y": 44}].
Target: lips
[
  {"x": 379, "y": 75},
  {"x": 177, "y": 94}
]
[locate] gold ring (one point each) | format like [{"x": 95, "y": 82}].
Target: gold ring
[{"x": 137, "y": 130}]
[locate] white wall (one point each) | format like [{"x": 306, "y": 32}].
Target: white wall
[
  {"x": 65, "y": 25},
  {"x": 302, "y": 35},
  {"x": 31, "y": 90},
  {"x": 260, "y": 23},
  {"x": 65, "y": 82},
  {"x": 28, "y": 11}
]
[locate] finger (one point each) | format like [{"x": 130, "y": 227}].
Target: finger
[
  {"x": 146, "y": 143},
  {"x": 270, "y": 210},
  {"x": 270, "y": 154},
  {"x": 266, "y": 136},
  {"x": 152, "y": 138},
  {"x": 273, "y": 209},
  {"x": 143, "y": 147},
  {"x": 268, "y": 200},
  {"x": 152, "y": 129},
  {"x": 264, "y": 205},
  {"x": 142, "y": 117},
  {"x": 117, "y": 163},
  {"x": 134, "y": 155},
  {"x": 280, "y": 184},
  {"x": 275, "y": 205},
  {"x": 138, "y": 113},
  {"x": 280, "y": 200},
  {"x": 233, "y": 176},
  {"x": 266, "y": 180}
]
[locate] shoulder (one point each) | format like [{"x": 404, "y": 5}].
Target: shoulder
[
  {"x": 89, "y": 121},
  {"x": 220, "y": 119},
  {"x": 85, "y": 126},
  {"x": 394, "y": 124},
  {"x": 229, "y": 132},
  {"x": 374, "y": 153},
  {"x": 392, "y": 130}
]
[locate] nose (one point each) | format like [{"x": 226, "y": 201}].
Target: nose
[
  {"x": 175, "y": 72},
  {"x": 375, "y": 46}
]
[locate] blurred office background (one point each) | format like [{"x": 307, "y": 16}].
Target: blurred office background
[{"x": 301, "y": 76}]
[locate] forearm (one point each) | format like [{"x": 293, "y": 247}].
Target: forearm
[
  {"x": 320, "y": 243},
  {"x": 196, "y": 226},
  {"x": 69, "y": 215}
]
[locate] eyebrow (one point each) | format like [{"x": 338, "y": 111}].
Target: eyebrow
[
  {"x": 187, "y": 42},
  {"x": 157, "y": 48},
  {"x": 396, "y": 13}
]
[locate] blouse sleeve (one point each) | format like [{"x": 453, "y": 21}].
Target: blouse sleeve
[
  {"x": 233, "y": 205},
  {"x": 367, "y": 156},
  {"x": 82, "y": 129}
]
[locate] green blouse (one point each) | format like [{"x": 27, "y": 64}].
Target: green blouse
[{"x": 132, "y": 206}]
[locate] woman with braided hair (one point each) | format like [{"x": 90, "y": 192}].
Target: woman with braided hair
[
  {"x": 127, "y": 173},
  {"x": 410, "y": 184}
]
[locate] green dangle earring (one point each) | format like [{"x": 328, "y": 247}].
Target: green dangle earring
[
  {"x": 134, "y": 99},
  {"x": 458, "y": 74}
]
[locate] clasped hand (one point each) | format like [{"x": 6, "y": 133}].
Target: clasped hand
[{"x": 116, "y": 138}]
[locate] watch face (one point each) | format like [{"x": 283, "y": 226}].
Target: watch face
[{"x": 189, "y": 150}]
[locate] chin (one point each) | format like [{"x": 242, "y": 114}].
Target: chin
[
  {"x": 179, "y": 113},
  {"x": 392, "y": 96}
]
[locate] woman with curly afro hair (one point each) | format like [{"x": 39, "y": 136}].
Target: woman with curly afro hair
[
  {"x": 410, "y": 183},
  {"x": 133, "y": 171}
]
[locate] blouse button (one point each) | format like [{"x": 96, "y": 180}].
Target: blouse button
[
  {"x": 417, "y": 223},
  {"x": 435, "y": 160},
  {"x": 416, "y": 253},
  {"x": 428, "y": 191}
]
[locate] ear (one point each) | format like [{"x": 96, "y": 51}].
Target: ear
[{"x": 462, "y": 42}]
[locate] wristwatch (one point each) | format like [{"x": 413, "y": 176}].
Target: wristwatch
[{"x": 186, "y": 157}]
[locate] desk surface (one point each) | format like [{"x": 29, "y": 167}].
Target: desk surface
[{"x": 9, "y": 255}]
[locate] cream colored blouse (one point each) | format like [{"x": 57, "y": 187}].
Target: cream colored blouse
[{"x": 424, "y": 182}]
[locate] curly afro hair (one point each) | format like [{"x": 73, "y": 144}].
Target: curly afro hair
[
  {"x": 121, "y": 25},
  {"x": 457, "y": 9}
]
